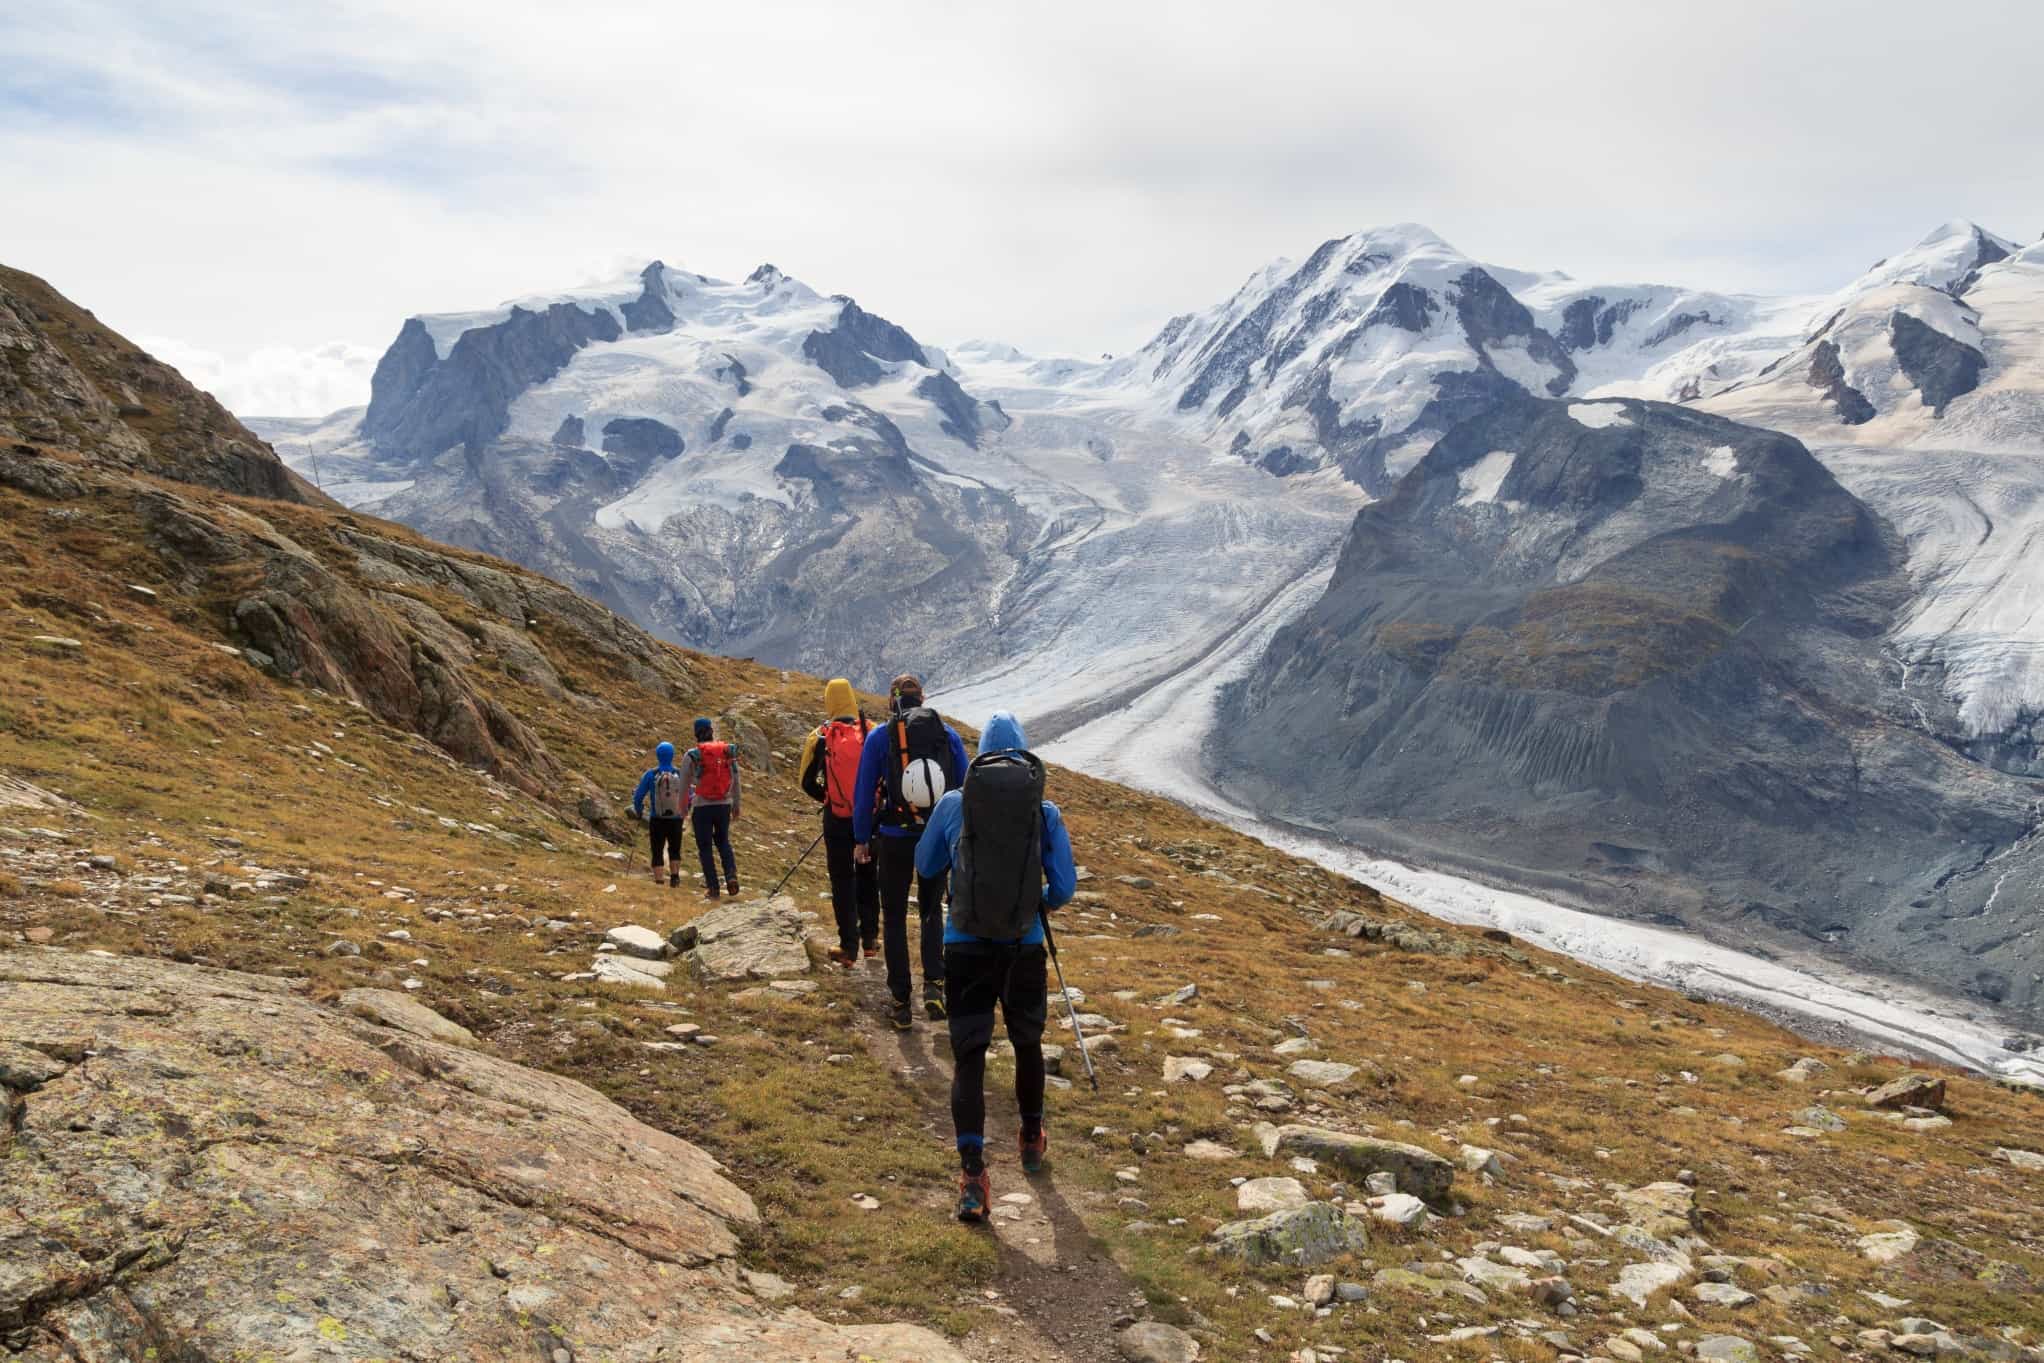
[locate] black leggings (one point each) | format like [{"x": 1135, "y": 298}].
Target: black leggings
[
  {"x": 666, "y": 838},
  {"x": 976, "y": 979},
  {"x": 854, "y": 887}
]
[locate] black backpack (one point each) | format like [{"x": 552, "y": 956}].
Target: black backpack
[
  {"x": 912, "y": 734},
  {"x": 998, "y": 887}
]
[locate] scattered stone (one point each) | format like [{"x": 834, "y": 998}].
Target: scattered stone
[
  {"x": 1398, "y": 1209},
  {"x": 1152, "y": 1341},
  {"x": 1137, "y": 882},
  {"x": 1319, "y": 1289},
  {"x": 752, "y": 940},
  {"x": 1550, "y": 1291},
  {"x": 2028, "y": 1160},
  {"x": 1418, "y": 1171},
  {"x": 1661, "y": 1210},
  {"x": 1803, "y": 1071},
  {"x": 1183, "y": 994},
  {"x": 1298, "y": 1045},
  {"x": 1496, "y": 1277},
  {"x": 1722, "y": 1294},
  {"x": 1885, "y": 1247},
  {"x": 1404, "y": 1279},
  {"x": 341, "y": 946},
  {"x": 1261, "y": 1196},
  {"x": 1637, "y": 1282},
  {"x": 618, "y": 968},
  {"x": 1823, "y": 1118},
  {"x": 1322, "y": 1074},
  {"x": 1300, "y": 1236},
  {"x": 1210, "y": 1150},
  {"x": 1477, "y": 1160},
  {"x": 1727, "y": 1349},
  {"x": 1911, "y": 1090},
  {"x": 1181, "y": 1069},
  {"x": 634, "y": 940}
]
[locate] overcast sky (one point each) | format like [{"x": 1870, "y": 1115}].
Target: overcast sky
[{"x": 262, "y": 192}]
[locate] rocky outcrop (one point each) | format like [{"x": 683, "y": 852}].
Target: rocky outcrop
[
  {"x": 965, "y": 417},
  {"x": 464, "y": 400},
  {"x": 1415, "y": 1170},
  {"x": 751, "y": 940},
  {"x": 853, "y": 350},
  {"x": 1827, "y": 376},
  {"x": 207, "y": 1164},
  {"x": 1941, "y": 367},
  {"x": 1300, "y": 1237},
  {"x": 1635, "y": 651},
  {"x": 66, "y": 381}
]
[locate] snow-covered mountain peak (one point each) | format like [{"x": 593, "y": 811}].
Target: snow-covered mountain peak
[
  {"x": 1948, "y": 259},
  {"x": 1360, "y": 355}
]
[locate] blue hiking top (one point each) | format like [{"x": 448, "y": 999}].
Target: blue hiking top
[
  {"x": 873, "y": 767},
  {"x": 938, "y": 849},
  {"x": 664, "y": 754}
]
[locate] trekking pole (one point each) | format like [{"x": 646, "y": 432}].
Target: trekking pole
[
  {"x": 1071, "y": 1012},
  {"x": 796, "y": 867}
]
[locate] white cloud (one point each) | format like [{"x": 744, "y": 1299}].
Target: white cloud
[
  {"x": 1063, "y": 175},
  {"x": 274, "y": 380}
]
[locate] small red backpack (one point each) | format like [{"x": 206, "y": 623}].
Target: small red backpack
[
  {"x": 713, "y": 778},
  {"x": 844, "y": 741}
]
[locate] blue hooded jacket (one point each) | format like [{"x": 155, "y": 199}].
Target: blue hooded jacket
[
  {"x": 664, "y": 755},
  {"x": 939, "y": 846},
  {"x": 873, "y": 765}
]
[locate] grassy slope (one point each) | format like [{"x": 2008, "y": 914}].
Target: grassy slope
[{"x": 172, "y": 747}]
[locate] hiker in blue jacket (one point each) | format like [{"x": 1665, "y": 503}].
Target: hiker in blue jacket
[
  {"x": 668, "y": 792},
  {"x": 999, "y": 877},
  {"x": 905, "y": 765}
]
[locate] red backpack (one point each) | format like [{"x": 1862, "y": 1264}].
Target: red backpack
[
  {"x": 713, "y": 775},
  {"x": 844, "y": 742}
]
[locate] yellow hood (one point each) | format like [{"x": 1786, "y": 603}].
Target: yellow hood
[{"x": 839, "y": 701}]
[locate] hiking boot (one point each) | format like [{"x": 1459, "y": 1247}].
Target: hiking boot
[
  {"x": 1033, "y": 1151},
  {"x": 975, "y": 1193},
  {"x": 933, "y": 1008},
  {"x": 711, "y": 893},
  {"x": 658, "y": 872},
  {"x": 839, "y": 956},
  {"x": 900, "y": 1015},
  {"x": 673, "y": 882},
  {"x": 731, "y": 888},
  {"x": 871, "y": 946}
]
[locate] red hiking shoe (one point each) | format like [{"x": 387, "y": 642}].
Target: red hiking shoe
[
  {"x": 975, "y": 1194},
  {"x": 842, "y": 958},
  {"x": 1034, "y": 1152}
]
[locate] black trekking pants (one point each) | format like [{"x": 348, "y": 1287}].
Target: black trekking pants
[
  {"x": 713, "y": 830},
  {"x": 976, "y": 978},
  {"x": 666, "y": 835},
  {"x": 896, "y": 859},
  {"x": 854, "y": 887}
]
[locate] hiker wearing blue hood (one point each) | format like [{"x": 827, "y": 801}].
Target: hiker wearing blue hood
[
  {"x": 668, "y": 791},
  {"x": 906, "y": 764},
  {"x": 1010, "y": 862}
]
